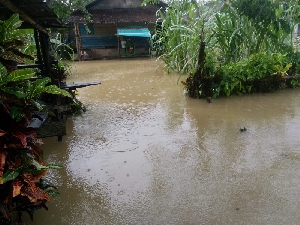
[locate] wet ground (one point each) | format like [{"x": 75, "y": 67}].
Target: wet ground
[{"x": 144, "y": 153}]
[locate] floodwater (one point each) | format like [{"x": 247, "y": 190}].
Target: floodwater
[{"x": 144, "y": 153}]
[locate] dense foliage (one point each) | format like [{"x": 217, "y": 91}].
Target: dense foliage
[
  {"x": 235, "y": 33},
  {"x": 179, "y": 35},
  {"x": 22, "y": 187},
  {"x": 260, "y": 72},
  {"x": 63, "y": 8}
]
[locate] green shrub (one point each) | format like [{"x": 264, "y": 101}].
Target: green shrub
[{"x": 259, "y": 73}]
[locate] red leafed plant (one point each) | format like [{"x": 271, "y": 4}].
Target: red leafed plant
[{"x": 22, "y": 188}]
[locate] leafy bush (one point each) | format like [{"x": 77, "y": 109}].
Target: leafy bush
[
  {"x": 260, "y": 73},
  {"x": 22, "y": 169}
]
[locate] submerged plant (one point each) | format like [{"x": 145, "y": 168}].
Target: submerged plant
[
  {"x": 259, "y": 73},
  {"x": 236, "y": 34}
]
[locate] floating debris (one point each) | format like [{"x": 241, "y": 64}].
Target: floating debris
[{"x": 243, "y": 129}]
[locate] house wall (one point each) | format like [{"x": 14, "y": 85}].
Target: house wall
[
  {"x": 105, "y": 29},
  {"x": 102, "y": 41},
  {"x": 102, "y": 53},
  {"x": 101, "y": 36},
  {"x": 114, "y": 53}
]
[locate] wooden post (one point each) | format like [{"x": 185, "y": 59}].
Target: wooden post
[
  {"x": 38, "y": 47},
  {"x": 78, "y": 40},
  {"x": 45, "y": 48},
  {"x": 119, "y": 46}
]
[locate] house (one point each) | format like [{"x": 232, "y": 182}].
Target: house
[{"x": 120, "y": 28}]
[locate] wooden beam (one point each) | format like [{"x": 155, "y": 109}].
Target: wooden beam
[
  {"x": 15, "y": 9},
  {"x": 52, "y": 17}
]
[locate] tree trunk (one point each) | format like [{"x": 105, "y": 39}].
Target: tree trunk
[{"x": 194, "y": 81}]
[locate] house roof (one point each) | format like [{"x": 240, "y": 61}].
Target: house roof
[
  {"x": 106, "y": 4},
  {"x": 118, "y": 15},
  {"x": 104, "y": 12},
  {"x": 34, "y": 13}
]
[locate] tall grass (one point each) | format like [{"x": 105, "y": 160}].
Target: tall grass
[{"x": 232, "y": 31}]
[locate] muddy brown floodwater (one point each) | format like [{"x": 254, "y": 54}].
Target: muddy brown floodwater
[{"x": 144, "y": 153}]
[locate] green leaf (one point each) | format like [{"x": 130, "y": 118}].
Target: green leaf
[
  {"x": 3, "y": 75},
  {"x": 10, "y": 175},
  {"x": 55, "y": 41},
  {"x": 38, "y": 165},
  {"x": 16, "y": 91},
  {"x": 54, "y": 166},
  {"x": 20, "y": 75},
  {"x": 53, "y": 89},
  {"x": 38, "y": 87},
  {"x": 13, "y": 22},
  {"x": 20, "y": 33},
  {"x": 38, "y": 105},
  {"x": 16, "y": 113},
  {"x": 42, "y": 167},
  {"x": 53, "y": 193},
  {"x": 9, "y": 29}
]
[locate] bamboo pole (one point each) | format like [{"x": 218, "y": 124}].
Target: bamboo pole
[
  {"x": 16, "y": 9},
  {"x": 77, "y": 40}
]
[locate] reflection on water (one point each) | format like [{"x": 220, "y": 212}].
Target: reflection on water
[{"x": 144, "y": 153}]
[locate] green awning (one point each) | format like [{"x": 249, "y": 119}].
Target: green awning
[{"x": 143, "y": 32}]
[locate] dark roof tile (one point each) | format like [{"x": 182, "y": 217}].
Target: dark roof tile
[{"x": 118, "y": 15}]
